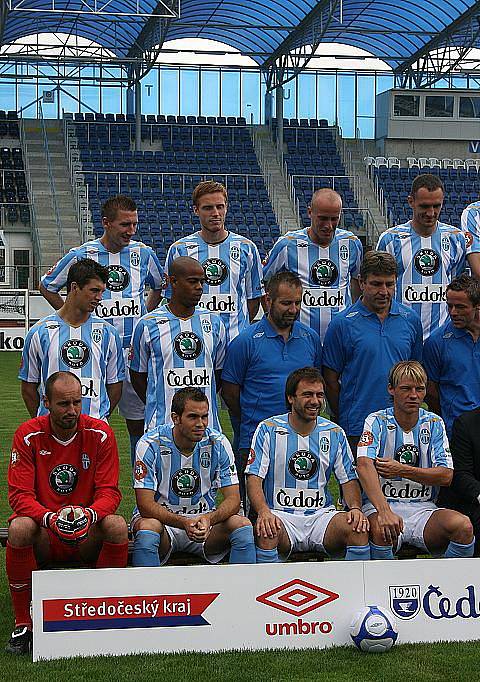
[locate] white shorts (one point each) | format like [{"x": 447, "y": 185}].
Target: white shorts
[
  {"x": 130, "y": 406},
  {"x": 415, "y": 516},
  {"x": 180, "y": 542},
  {"x": 306, "y": 533}
]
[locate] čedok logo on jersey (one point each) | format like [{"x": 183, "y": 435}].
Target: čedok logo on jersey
[
  {"x": 427, "y": 262},
  {"x": 118, "y": 278},
  {"x": 187, "y": 345},
  {"x": 75, "y": 353},
  {"x": 215, "y": 271},
  {"x": 63, "y": 479},
  {"x": 324, "y": 272},
  {"x": 407, "y": 454},
  {"x": 303, "y": 465},
  {"x": 185, "y": 482}
]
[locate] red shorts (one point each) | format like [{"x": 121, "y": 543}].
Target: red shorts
[{"x": 60, "y": 552}]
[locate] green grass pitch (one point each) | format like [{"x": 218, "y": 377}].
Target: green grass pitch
[{"x": 422, "y": 662}]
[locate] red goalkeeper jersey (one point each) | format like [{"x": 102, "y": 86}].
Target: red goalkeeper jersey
[{"x": 46, "y": 474}]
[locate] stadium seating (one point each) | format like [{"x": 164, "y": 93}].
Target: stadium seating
[
  {"x": 13, "y": 187},
  {"x": 178, "y": 153}
]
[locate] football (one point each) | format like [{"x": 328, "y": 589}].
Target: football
[{"x": 374, "y": 629}]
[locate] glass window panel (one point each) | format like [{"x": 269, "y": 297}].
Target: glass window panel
[
  {"x": 230, "y": 93},
  {"x": 406, "y": 105},
  {"x": 169, "y": 91},
  {"x": 346, "y": 104},
  {"x": 150, "y": 92},
  {"x": 251, "y": 96},
  {"x": 326, "y": 101},
  {"x": 189, "y": 92},
  {"x": 384, "y": 82},
  {"x": 439, "y": 106},
  {"x": 306, "y": 96},
  {"x": 27, "y": 94},
  {"x": 469, "y": 107},
  {"x": 289, "y": 100},
  {"x": 210, "y": 93},
  {"x": 7, "y": 95},
  {"x": 67, "y": 98}
]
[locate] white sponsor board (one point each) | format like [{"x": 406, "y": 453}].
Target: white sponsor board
[
  {"x": 438, "y": 600},
  {"x": 196, "y": 608},
  {"x": 12, "y": 338},
  {"x": 213, "y": 608}
]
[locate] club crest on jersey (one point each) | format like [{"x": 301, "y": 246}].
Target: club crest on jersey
[
  {"x": 118, "y": 278},
  {"x": 14, "y": 457},
  {"x": 139, "y": 470},
  {"x": 424, "y": 436},
  {"x": 234, "y": 252},
  {"x": 405, "y": 600},
  {"x": 426, "y": 262},
  {"x": 96, "y": 335},
  {"x": 343, "y": 252},
  {"x": 445, "y": 243},
  {"x": 63, "y": 479},
  {"x": 215, "y": 271},
  {"x": 324, "y": 444},
  {"x": 85, "y": 461},
  {"x": 207, "y": 326},
  {"x": 185, "y": 482},
  {"x": 206, "y": 457},
  {"x": 251, "y": 456},
  {"x": 134, "y": 259},
  {"x": 468, "y": 238},
  {"x": 303, "y": 465},
  {"x": 366, "y": 439},
  {"x": 188, "y": 345},
  {"x": 324, "y": 272},
  {"x": 407, "y": 454},
  {"x": 75, "y": 353}
]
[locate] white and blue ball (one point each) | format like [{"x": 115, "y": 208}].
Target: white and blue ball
[{"x": 374, "y": 629}]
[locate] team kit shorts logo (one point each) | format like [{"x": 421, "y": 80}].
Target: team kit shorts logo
[
  {"x": 216, "y": 271},
  {"x": 188, "y": 345},
  {"x": 407, "y": 454},
  {"x": 303, "y": 465},
  {"x": 75, "y": 353},
  {"x": 185, "y": 482},
  {"x": 118, "y": 278},
  {"x": 324, "y": 272},
  {"x": 426, "y": 262},
  {"x": 64, "y": 479}
]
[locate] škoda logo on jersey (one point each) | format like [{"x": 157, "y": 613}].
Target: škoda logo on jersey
[
  {"x": 75, "y": 353},
  {"x": 303, "y": 465},
  {"x": 407, "y": 454},
  {"x": 185, "y": 482},
  {"x": 215, "y": 271},
  {"x": 118, "y": 278},
  {"x": 426, "y": 262},
  {"x": 324, "y": 272},
  {"x": 188, "y": 345},
  {"x": 64, "y": 479}
]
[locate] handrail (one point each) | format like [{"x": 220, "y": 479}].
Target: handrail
[
  {"x": 77, "y": 179},
  {"x": 58, "y": 220},
  {"x": 28, "y": 180}
]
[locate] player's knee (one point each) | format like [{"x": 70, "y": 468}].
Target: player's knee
[
  {"x": 375, "y": 534},
  {"x": 149, "y": 524},
  {"x": 238, "y": 521},
  {"x": 462, "y": 529},
  {"x": 22, "y": 531},
  {"x": 114, "y": 528}
]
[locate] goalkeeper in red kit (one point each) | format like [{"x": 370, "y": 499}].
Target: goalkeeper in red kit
[{"x": 63, "y": 489}]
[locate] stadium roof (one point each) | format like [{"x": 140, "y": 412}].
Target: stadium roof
[{"x": 397, "y": 31}]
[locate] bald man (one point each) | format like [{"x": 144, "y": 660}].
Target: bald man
[
  {"x": 327, "y": 260},
  {"x": 178, "y": 345}
]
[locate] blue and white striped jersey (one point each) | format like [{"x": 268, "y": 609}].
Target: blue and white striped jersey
[
  {"x": 233, "y": 275},
  {"x": 184, "y": 484},
  {"x": 123, "y": 302},
  {"x": 425, "y": 446},
  {"x": 425, "y": 266},
  {"x": 93, "y": 352},
  {"x": 470, "y": 222},
  {"x": 176, "y": 353},
  {"x": 325, "y": 272},
  {"x": 296, "y": 469}
]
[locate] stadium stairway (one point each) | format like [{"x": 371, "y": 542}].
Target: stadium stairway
[
  {"x": 49, "y": 242},
  {"x": 275, "y": 179},
  {"x": 353, "y": 153}
]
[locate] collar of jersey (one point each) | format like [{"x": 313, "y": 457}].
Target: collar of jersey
[{"x": 458, "y": 333}]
